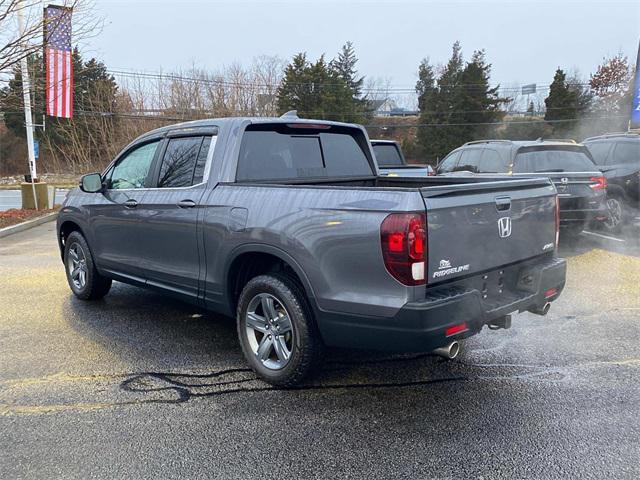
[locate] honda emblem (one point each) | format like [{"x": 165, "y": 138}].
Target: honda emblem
[{"x": 504, "y": 227}]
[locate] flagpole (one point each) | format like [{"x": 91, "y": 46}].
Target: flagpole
[{"x": 26, "y": 93}]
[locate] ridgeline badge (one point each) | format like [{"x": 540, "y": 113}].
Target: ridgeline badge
[{"x": 445, "y": 269}]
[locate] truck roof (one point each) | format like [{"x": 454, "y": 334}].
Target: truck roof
[{"x": 237, "y": 121}]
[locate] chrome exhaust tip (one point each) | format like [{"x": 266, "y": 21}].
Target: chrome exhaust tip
[
  {"x": 543, "y": 310},
  {"x": 449, "y": 351}
]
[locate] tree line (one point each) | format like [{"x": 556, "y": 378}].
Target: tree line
[{"x": 456, "y": 103}]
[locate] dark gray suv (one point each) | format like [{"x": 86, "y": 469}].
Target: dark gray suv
[
  {"x": 581, "y": 185},
  {"x": 618, "y": 156}
]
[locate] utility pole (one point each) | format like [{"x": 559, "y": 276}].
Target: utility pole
[{"x": 26, "y": 93}]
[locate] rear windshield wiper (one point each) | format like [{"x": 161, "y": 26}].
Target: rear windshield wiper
[{"x": 550, "y": 170}]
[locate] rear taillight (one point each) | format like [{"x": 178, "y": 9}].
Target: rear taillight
[
  {"x": 404, "y": 243},
  {"x": 599, "y": 183},
  {"x": 557, "y": 221}
]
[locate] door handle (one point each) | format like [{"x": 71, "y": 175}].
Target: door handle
[
  {"x": 131, "y": 203},
  {"x": 186, "y": 204}
]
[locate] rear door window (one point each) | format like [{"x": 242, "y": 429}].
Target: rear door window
[
  {"x": 387, "y": 155},
  {"x": 492, "y": 162},
  {"x": 183, "y": 162},
  {"x": 552, "y": 159},
  {"x": 274, "y": 152},
  {"x": 626, "y": 152},
  {"x": 470, "y": 160}
]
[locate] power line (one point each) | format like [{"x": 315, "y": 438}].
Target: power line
[
  {"x": 391, "y": 89},
  {"x": 183, "y": 119}
]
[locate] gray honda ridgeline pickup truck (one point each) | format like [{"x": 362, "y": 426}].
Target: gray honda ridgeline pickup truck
[{"x": 285, "y": 224}]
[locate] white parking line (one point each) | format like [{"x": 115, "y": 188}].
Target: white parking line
[{"x": 603, "y": 236}]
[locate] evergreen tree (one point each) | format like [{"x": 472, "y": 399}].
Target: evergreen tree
[
  {"x": 317, "y": 90},
  {"x": 427, "y": 98},
  {"x": 456, "y": 106},
  {"x": 477, "y": 103},
  {"x": 531, "y": 108},
  {"x": 561, "y": 104},
  {"x": 345, "y": 66}
]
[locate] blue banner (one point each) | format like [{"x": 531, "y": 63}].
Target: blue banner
[{"x": 635, "y": 112}]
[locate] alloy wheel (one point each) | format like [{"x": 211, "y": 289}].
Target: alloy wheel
[
  {"x": 269, "y": 331},
  {"x": 77, "y": 266},
  {"x": 615, "y": 213}
]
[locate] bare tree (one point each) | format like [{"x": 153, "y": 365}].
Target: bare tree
[{"x": 16, "y": 45}]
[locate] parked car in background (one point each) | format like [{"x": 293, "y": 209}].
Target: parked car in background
[
  {"x": 286, "y": 225},
  {"x": 581, "y": 185},
  {"x": 391, "y": 161},
  {"x": 618, "y": 156}
]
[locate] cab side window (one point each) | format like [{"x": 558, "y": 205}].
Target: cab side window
[
  {"x": 183, "y": 162},
  {"x": 131, "y": 170},
  {"x": 449, "y": 163}
]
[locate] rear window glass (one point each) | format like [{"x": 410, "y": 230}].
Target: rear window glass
[
  {"x": 627, "y": 152},
  {"x": 274, "y": 152},
  {"x": 541, "y": 160},
  {"x": 387, "y": 155}
]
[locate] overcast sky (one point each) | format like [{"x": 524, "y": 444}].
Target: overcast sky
[{"x": 524, "y": 40}]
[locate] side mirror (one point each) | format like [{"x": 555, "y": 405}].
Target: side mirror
[{"x": 91, "y": 183}]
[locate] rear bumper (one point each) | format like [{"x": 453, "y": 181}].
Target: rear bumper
[
  {"x": 421, "y": 326},
  {"x": 571, "y": 214}
]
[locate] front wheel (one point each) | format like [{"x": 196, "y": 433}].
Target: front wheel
[
  {"x": 277, "y": 330},
  {"x": 85, "y": 281}
]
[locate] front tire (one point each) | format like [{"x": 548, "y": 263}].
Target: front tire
[
  {"x": 277, "y": 331},
  {"x": 83, "y": 278}
]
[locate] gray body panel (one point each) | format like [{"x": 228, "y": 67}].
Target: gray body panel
[{"x": 328, "y": 234}]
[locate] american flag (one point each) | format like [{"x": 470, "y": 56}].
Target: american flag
[{"x": 59, "y": 65}]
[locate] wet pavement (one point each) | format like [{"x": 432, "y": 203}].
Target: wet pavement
[{"x": 137, "y": 386}]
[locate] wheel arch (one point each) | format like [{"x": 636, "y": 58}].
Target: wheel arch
[
  {"x": 64, "y": 230},
  {"x": 250, "y": 260},
  {"x": 616, "y": 191}
]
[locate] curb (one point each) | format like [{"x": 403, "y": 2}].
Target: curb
[{"x": 21, "y": 227}]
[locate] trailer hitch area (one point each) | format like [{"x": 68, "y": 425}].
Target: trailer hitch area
[{"x": 498, "y": 323}]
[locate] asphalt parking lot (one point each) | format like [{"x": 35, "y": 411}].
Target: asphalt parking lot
[{"x": 138, "y": 386}]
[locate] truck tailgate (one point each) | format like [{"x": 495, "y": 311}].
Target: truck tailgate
[{"x": 478, "y": 227}]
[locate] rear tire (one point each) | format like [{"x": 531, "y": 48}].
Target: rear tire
[
  {"x": 277, "y": 331},
  {"x": 83, "y": 278},
  {"x": 615, "y": 215}
]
